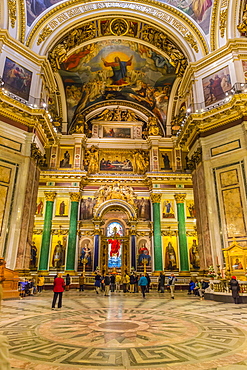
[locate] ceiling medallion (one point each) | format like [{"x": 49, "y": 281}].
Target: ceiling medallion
[{"x": 119, "y": 27}]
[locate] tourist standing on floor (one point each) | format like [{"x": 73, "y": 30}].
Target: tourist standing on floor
[
  {"x": 68, "y": 281},
  {"x": 118, "y": 283},
  {"x": 132, "y": 282},
  {"x": 97, "y": 283},
  {"x": 126, "y": 280},
  {"x": 107, "y": 284},
  {"x": 58, "y": 290},
  {"x": 148, "y": 284},
  {"x": 235, "y": 288},
  {"x": 162, "y": 282},
  {"x": 143, "y": 282},
  {"x": 81, "y": 283},
  {"x": 40, "y": 283},
  {"x": 113, "y": 280},
  {"x": 171, "y": 284}
]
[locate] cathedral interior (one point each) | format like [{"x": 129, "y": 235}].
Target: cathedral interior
[{"x": 123, "y": 150}]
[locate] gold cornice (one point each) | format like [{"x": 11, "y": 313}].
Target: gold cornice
[
  {"x": 177, "y": 13},
  {"x": 232, "y": 111},
  {"x": 19, "y": 112}
]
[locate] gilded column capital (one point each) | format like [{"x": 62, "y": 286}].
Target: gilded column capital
[
  {"x": 75, "y": 197},
  {"x": 156, "y": 198},
  {"x": 50, "y": 196},
  {"x": 180, "y": 198}
]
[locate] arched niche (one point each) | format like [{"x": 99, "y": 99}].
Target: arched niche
[{"x": 115, "y": 204}]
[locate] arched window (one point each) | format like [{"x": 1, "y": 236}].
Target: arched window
[{"x": 114, "y": 227}]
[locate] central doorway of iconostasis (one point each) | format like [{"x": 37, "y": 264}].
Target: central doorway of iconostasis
[{"x": 115, "y": 248}]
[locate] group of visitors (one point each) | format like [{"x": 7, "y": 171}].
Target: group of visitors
[
  {"x": 132, "y": 283},
  {"x": 198, "y": 288}
]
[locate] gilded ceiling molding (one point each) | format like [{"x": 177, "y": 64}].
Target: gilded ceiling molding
[
  {"x": 12, "y": 12},
  {"x": 46, "y": 31},
  {"x": 223, "y": 18},
  {"x": 22, "y": 22},
  {"x": 54, "y": 20},
  {"x": 214, "y": 25}
]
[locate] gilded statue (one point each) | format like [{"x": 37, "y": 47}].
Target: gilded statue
[
  {"x": 92, "y": 159},
  {"x": 140, "y": 162},
  {"x": 242, "y": 27},
  {"x": 117, "y": 114},
  {"x": 115, "y": 191},
  {"x": 153, "y": 126}
]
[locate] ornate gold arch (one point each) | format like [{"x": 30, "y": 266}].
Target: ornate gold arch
[
  {"x": 163, "y": 14},
  {"x": 114, "y": 204}
]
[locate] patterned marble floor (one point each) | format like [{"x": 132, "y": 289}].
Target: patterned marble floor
[{"x": 125, "y": 332}]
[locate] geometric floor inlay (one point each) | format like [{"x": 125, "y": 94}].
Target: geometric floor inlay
[{"x": 120, "y": 337}]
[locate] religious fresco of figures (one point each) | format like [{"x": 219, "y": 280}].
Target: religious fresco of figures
[
  {"x": 114, "y": 232},
  {"x": 198, "y": 10},
  {"x": 87, "y": 205},
  {"x": 165, "y": 160},
  {"x": 40, "y": 207},
  {"x": 168, "y": 208},
  {"x": 216, "y": 85},
  {"x": 58, "y": 252},
  {"x": 62, "y": 207},
  {"x": 143, "y": 206},
  {"x": 85, "y": 253},
  {"x": 116, "y": 161},
  {"x": 35, "y": 7},
  {"x": 117, "y": 132},
  {"x": 190, "y": 209},
  {"x": 244, "y": 64},
  {"x": 35, "y": 251},
  {"x": 17, "y": 79},
  {"x": 194, "y": 257},
  {"x": 143, "y": 253},
  {"x": 170, "y": 253},
  {"x": 117, "y": 70},
  {"x": 66, "y": 157}
]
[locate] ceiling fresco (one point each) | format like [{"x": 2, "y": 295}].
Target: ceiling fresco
[
  {"x": 199, "y": 10},
  {"x": 120, "y": 70}
]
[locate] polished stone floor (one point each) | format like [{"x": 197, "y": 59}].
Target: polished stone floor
[{"x": 125, "y": 331}]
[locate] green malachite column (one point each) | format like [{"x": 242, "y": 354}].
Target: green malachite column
[
  {"x": 183, "y": 248},
  {"x": 71, "y": 252},
  {"x": 46, "y": 237},
  {"x": 158, "y": 265}
]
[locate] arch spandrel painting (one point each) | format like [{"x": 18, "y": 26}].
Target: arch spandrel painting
[
  {"x": 117, "y": 70},
  {"x": 35, "y": 7},
  {"x": 199, "y": 10}
]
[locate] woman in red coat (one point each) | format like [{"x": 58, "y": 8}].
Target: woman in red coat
[{"x": 58, "y": 291}]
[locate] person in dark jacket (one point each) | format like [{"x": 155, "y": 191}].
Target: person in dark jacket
[
  {"x": 113, "y": 279},
  {"x": 81, "y": 283},
  {"x": 192, "y": 285},
  {"x": 162, "y": 282},
  {"x": 58, "y": 291},
  {"x": 97, "y": 283},
  {"x": 107, "y": 284},
  {"x": 235, "y": 288},
  {"x": 148, "y": 284},
  {"x": 68, "y": 280},
  {"x": 132, "y": 282}
]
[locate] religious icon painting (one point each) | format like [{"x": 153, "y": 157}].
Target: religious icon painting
[
  {"x": 58, "y": 252},
  {"x": 17, "y": 79},
  {"x": 66, "y": 157},
  {"x": 170, "y": 253},
  {"x": 168, "y": 208},
  {"x": 62, "y": 207},
  {"x": 85, "y": 253},
  {"x": 190, "y": 209},
  {"x": 143, "y": 253},
  {"x": 193, "y": 253},
  {"x": 237, "y": 263},
  {"x": 114, "y": 232},
  {"x": 117, "y": 132},
  {"x": 35, "y": 250},
  {"x": 165, "y": 160},
  {"x": 40, "y": 206},
  {"x": 216, "y": 85}
]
